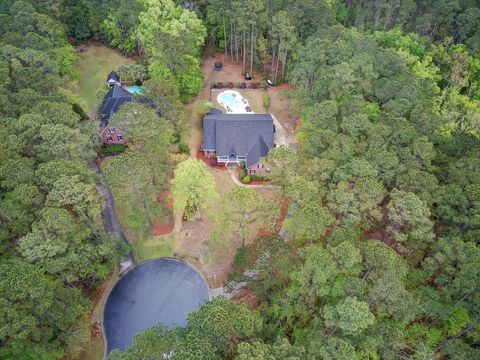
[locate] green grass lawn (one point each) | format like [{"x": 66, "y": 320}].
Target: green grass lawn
[{"x": 95, "y": 64}]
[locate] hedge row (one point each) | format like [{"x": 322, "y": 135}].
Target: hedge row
[
  {"x": 231, "y": 85},
  {"x": 113, "y": 149}
]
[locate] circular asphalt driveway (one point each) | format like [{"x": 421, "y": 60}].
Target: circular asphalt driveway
[{"x": 157, "y": 291}]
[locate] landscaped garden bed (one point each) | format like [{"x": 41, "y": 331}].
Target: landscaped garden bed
[
  {"x": 210, "y": 161},
  {"x": 250, "y": 179},
  {"x": 238, "y": 85}
]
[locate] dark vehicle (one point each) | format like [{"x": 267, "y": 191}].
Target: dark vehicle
[
  {"x": 218, "y": 66},
  {"x": 248, "y": 76}
]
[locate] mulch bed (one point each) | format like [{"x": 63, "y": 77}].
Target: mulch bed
[
  {"x": 253, "y": 182},
  {"x": 163, "y": 229},
  {"x": 283, "y": 212},
  {"x": 99, "y": 160},
  {"x": 201, "y": 156},
  {"x": 166, "y": 226},
  {"x": 263, "y": 231},
  {"x": 96, "y": 329}
]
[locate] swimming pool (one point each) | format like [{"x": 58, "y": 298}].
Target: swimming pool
[
  {"x": 233, "y": 102},
  {"x": 135, "y": 89}
]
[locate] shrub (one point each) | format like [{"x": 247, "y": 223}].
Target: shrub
[
  {"x": 266, "y": 100},
  {"x": 138, "y": 82},
  {"x": 231, "y": 85},
  {"x": 247, "y": 179},
  {"x": 225, "y": 84},
  {"x": 242, "y": 164},
  {"x": 258, "y": 177},
  {"x": 79, "y": 110},
  {"x": 219, "y": 85},
  {"x": 113, "y": 149},
  {"x": 253, "y": 85},
  {"x": 243, "y": 173},
  {"x": 183, "y": 147},
  {"x": 213, "y": 162},
  {"x": 243, "y": 86}
]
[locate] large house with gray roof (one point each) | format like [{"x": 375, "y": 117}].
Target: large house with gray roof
[{"x": 233, "y": 138}]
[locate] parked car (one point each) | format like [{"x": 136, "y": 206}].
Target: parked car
[
  {"x": 248, "y": 76},
  {"x": 218, "y": 66},
  {"x": 270, "y": 83}
]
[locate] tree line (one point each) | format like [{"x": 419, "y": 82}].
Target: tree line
[{"x": 53, "y": 245}]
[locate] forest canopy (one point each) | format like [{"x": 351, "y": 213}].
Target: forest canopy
[{"x": 383, "y": 254}]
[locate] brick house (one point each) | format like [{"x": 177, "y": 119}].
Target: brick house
[
  {"x": 116, "y": 97},
  {"x": 233, "y": 138},
  {"x": 113, "y": 135}
]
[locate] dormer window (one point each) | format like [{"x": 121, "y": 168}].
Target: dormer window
[
  {"x": 109, "y": 138},
  {"x": 112, "y": 130},
  {"x": 120, "y": 138}
]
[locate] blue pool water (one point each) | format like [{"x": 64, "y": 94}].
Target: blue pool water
[
  {"x": 135, "y": 89},
  {"x": 234, "y": 102}
]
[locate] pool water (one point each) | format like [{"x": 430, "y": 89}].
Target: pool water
[
  {"x": 135, "y": 89},
  {"x": 233, "y": 102}
]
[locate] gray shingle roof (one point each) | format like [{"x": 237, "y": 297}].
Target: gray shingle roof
[
  {"x": 249, "y": 135},
  {"x": 116, "y": 97},
  {"x": 113, "y": 76}
]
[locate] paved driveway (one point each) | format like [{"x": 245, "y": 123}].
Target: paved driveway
[{"x": 158, "y": 291}]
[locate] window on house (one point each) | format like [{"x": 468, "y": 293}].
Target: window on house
[
  {"x": 112, "y": 130},
  {"x": 109, "y": 138},
  {"x": 252, "y": 171},
  {"x": 119, "y": 137}
]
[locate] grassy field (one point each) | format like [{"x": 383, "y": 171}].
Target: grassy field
[{"x": 95, "y": 64}]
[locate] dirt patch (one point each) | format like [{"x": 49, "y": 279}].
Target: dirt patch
[
  {"x": 214, "y": 261},
  {"x": 281, "y": 106},
  {"x": 247, "y": 297}
]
